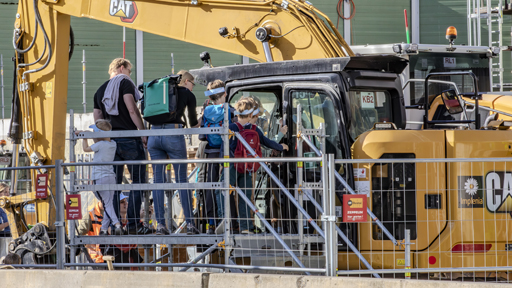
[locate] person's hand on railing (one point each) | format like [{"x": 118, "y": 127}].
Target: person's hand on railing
[{"x": 285, "y": 147}]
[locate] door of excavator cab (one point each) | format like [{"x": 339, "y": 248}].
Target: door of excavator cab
[{"x": 320, "y": 107}]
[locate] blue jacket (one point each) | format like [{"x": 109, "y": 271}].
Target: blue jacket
[{"x": 3, "y": 219}]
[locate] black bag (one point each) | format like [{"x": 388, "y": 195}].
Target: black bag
[{"x": 159, "y": 101}]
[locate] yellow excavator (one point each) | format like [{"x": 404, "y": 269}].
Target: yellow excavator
[{"x": 309, "y": 64}]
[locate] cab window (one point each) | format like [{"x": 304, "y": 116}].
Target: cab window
[
  {"x": 317, "y": 108},
  {"x": 269, "y": 103},
  {"x": 368, "y": 107}
]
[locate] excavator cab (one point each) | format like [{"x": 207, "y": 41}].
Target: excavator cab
[{"x": 346, "y": 97}]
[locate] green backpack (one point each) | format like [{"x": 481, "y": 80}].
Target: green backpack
[{"x": 159, "y": 103}]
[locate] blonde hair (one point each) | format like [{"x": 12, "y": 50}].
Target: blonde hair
[
  {"x": 244, "y": 104},
  {"x": 103, "y": 124},
  {"x": 213, "y": 85},
  {"x": 185, "y": 75},
  {"x": 117, "y": 63}
]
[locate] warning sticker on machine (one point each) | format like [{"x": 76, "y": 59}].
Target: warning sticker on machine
[
  {"x": 360, "y": 173},
  {"x": 354, "y": 208},
  {"x": 362, "y": 187},
  {"x": 367, "y": 100}
]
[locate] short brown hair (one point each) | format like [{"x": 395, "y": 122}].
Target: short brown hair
[
  {"x": 257, "y": 103},
  {"x": 117, "y": 63},
  {"x": 103, "y": 124},
  {"x": 213, "y": 85},
  {"x": 242, "y": 105},
  {"x": 185, "y": 75}
]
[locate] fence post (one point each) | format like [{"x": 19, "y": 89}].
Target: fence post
[
  {"x": 331, "y": 201},
  {"x": 325, "y": 189},
  {"x": 407, "y": 253},
  {"x": 227, "y": 210},
  {"x": 300, "y": 180},
  {"x": 84, "y": 83},
  {"x": 72, "y": 177},
  {"x": 59, "y": 223}
]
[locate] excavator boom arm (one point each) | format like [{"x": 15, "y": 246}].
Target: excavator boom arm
[{"x": 288, "y": 29}]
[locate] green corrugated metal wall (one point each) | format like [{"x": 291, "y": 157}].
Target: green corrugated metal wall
[
  {"x": 375, "y": 22},
  {"x": 8, "y": 10},
  {"x": 438, "y": 15},
  {"x": 380, "y": 22},
  {"x": 157, "y": 58},
  {"x": 102, "y": 43}
]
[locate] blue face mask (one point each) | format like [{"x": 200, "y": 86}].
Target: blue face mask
[
  {"x": 95, "y": 128},
  {"x": 214, "y": 91}
]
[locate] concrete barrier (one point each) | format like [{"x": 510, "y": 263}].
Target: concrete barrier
[
  {"x": 132, "y": 279},
  {"x": 288, "y": 281},
  {"x": 99, "y": 279}
]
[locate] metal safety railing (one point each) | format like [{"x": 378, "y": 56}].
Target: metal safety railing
[
  {"x": 236, "y": 248},
  {"x": 403, "y": 218},
  {"x": 18, "y": 207}
]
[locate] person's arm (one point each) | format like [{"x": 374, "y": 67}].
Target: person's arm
[
  {"x": 85, "y": 144},
  {"x": 84, "y": 225},
  {"x": 129, "y": 101},
  {"x": 269, "y": 143},
  {"x": 97, "y": 114},
  {"x": 3, "y": 226},
  {"x": 282, "y": 131},
  {"x": 233, "y": 141},
  {"x": 191, "y": 110},
  {"x": 133, "y": 110},
  {"x": 97, "y": 107}
]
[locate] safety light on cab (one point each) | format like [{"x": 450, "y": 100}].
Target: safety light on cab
[{"x": 451, "y": 35}]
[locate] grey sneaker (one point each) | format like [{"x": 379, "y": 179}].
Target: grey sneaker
[
  {"x": 162, "y": 230},
  {"x": 191, "y": 229},
  {"x": 119, "y": 231}
]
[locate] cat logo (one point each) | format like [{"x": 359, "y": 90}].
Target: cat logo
[
  {"x": 127, "y": 10},
  {"x": 498, "y": 192}
]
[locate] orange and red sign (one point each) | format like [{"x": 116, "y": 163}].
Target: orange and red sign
[
  {"x": 354, "y": 208},
  {"x": 73, "y": 207}
]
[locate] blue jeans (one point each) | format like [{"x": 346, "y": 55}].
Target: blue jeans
[
  {"x": 130, "y": 149},
  {"x": 244, "y": 182},
  {"x": 159, "y": 148}
]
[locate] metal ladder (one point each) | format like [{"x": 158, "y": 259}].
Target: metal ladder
[{"x": 494, "y": 22}]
